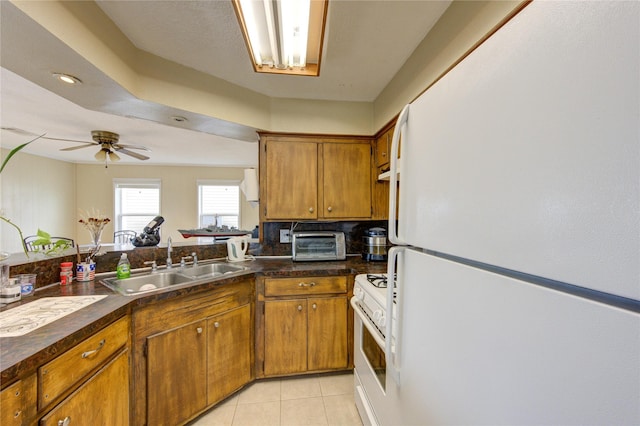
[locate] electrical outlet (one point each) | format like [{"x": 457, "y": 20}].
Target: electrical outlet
[{"x": 285, "y": 237}]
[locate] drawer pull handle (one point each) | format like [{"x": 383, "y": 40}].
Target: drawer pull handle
[
  {"x": 311, "y": 284},
  {"x": 89, "y": 353},
  {"x": 65, "y": 422}
]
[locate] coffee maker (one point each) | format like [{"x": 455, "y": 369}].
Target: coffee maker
[{"x": 375, "y": 245}]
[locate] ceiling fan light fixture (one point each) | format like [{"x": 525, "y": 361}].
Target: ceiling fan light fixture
[
  {"x": 101, "y": 155},
  {"x": 283, "y": 36},
  {"x": 67, "y": 78},
  {"x": 113, "y": 156}
]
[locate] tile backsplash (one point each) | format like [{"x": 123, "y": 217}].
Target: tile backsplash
[{"x": 353, "y": 232}]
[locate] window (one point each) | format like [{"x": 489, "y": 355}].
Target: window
[
  {"x": 218, "y": 204},
  {"x": 137, "y": 201}
]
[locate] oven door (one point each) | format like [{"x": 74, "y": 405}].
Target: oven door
[{"x": 370, "y": 366}]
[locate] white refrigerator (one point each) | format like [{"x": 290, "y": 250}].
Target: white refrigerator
[{"x": 518, "y": 230}]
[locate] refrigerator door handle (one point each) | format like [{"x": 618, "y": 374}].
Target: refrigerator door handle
[
  {"x": 392, "y": 340},
  {"x": 401, "y": 126}
]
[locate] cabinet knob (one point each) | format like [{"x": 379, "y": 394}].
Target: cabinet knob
[
  {"x": 329, "y": 208},
  {"x": 216, "y": 324},
  {"x": 17, "y": 414},
  {"x": 299, "y": 307},
  {"x": 314, "y": 306},
  {"x": 65, "y": 422},
  {"x": 199, "y": 330},
  {"x": 310, "y": 209}
]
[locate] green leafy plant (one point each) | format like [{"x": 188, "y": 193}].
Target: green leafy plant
[
  {"x": 44, "y": 244},
  {"x": 4, "y": 164}
]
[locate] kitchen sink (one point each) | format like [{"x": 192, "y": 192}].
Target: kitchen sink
[
  {"x": 144, "y": 283},
  {"x": 211, "y": 270},
  {"x": 138, "y": 284}
]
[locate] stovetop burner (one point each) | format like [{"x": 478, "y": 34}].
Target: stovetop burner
[{"x": 378, "y": 280}]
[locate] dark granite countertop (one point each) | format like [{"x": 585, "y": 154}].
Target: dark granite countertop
[{"x": 20, "y": 356}]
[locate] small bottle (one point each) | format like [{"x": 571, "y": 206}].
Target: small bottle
[
  {"x": 66, "y": 273},
  {"x": 124, "y": 267}
]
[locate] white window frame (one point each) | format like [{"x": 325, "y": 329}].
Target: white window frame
[
  {"x": 217, "y": 182},
  {"x": 133, "y": 183}
]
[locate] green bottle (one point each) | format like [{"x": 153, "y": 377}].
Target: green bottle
[{"x": 124, "y": 267}]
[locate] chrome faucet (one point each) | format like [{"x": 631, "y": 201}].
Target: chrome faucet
[
  {"x": 195, "y": 259},
  {"x": 169, "y": 250}
]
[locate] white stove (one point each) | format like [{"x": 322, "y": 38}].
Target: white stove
[{"x": 370, "y": 295}]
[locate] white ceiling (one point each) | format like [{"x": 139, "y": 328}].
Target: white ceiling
[{"x": 366, "y": 43}]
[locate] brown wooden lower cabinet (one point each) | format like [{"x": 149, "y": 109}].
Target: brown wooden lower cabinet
[
  {"x": 229, "y": 353},
  {"x": 191, "y": 352},
  {"x": 101, "y": 400},
  {"x": 18, "y": 402},
  {"x": 305, "y": 335},
  {"x": 176, "y": 370},
  {"x": 305, "y": 325}
]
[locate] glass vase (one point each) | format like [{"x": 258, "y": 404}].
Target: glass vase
[{"x": 96, "y": 235}]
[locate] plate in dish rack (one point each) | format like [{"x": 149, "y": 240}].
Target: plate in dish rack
[{"x": 31, "y": 316}]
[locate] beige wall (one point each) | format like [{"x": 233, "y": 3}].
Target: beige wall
[
  {"x": 48, "y": 194},
  {"x": 179, "y": 195},
  {"x": 36, "y": 193}
]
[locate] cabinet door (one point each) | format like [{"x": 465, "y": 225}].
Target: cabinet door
[
  {"x": 291, "y": 180},
  {"x": 11, "y": 404},
  {"x": 285, "y": 339},
  {"x": 383, "y": 145},
  {"x": 346, "y": 180},
  {"x": 101, "y": 400},
  {"x": 327, "y": 333},
  {"x": 176, "y": 374},
  {"x": 229, "y": 353}
]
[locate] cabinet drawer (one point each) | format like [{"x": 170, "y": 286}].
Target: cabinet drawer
[
  {"x": 63, "y": 372},
  {"x": 301, "y": 286}
]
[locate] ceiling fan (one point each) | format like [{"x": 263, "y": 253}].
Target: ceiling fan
[{"x": 107, "y": 141}]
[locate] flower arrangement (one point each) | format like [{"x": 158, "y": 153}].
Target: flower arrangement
[{"x": 94, "y": 222}]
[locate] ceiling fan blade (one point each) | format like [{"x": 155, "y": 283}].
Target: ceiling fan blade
[
  {"x": 18, "y": 131},
  {"x": 73, "y": 148},
  {"x": 70, "y": 140},
  {"x": 143, "y": 148},
  {"x": 131, "y": 153}
]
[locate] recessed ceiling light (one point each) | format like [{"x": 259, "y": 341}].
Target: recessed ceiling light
[{"x": 67, "y": 78}]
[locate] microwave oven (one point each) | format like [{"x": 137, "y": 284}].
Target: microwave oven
[{"x": 318, "y": 245}]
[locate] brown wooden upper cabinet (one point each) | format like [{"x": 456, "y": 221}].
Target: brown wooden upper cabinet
[
  {"x": 383, "y": 147},
  {"x": 314, "y": 177}
]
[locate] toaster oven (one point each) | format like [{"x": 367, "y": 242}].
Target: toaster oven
[{"x": 318, "y": 245}]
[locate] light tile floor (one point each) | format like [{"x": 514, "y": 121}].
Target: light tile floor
[{"x": 310, "y": 400}]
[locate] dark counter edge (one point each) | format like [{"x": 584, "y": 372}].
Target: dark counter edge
[{"x": 21, "y": 356}]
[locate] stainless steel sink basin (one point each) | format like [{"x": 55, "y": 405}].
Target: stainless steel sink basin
[
  {"x": 211, "y": 270},
  {"x": 154, "y": 281},
  {"x": 145, "y": 283}
]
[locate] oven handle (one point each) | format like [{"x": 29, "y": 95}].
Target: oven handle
[
  {"x": 392, "y": 348},
  {"x": 367, "y": 322}
]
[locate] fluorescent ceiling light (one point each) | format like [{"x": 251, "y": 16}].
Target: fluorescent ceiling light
[{"x": 283, "y": 36}]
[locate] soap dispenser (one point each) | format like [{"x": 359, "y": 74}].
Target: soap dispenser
[{"x": 123, "y": 269}]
